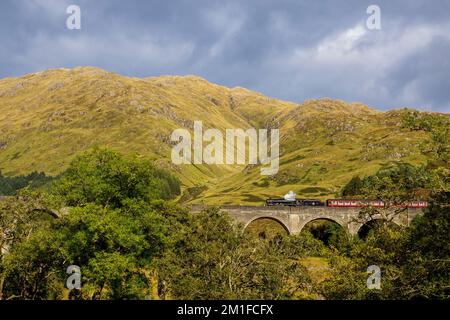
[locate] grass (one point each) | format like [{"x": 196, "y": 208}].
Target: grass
[
  {"x": 47, "y": 118},
  {"x": 266, "y": 228},
  {"x": 318, "y": 268}
]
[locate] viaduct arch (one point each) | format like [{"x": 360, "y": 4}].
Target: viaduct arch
[
  {"x": 282, "y": 223},
  {"x": 294, "y": 219}
]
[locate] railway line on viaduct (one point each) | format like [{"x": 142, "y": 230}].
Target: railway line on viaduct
[{"x": 294, "y": 219}]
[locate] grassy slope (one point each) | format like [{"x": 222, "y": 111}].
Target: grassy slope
[{"x": 47, "y": 118}]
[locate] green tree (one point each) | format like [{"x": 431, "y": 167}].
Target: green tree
[
  {"x": 106, "y": 178},
  {"x": 426, "y": 253},
  {"x": 438, "y": 127},
  {"x": 414, "y": 261},
  {"x": 352, "y": 188},
  {"x": 22, "y": 218},
  {"x": 214, "y": 259},
  {"x": 10, "y": 186},
  {"x": 112, "y": 231}
]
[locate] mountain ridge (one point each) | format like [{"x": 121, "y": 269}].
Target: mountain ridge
[{"x": 47, "y": 118}]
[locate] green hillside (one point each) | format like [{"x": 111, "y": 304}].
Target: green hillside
[{"x": 47, "y": 118}]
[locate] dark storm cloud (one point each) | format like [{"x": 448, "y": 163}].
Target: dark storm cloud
[{"x": 293, "y": 50}]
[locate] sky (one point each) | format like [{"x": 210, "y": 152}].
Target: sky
[{"x": 291, "y": 50}]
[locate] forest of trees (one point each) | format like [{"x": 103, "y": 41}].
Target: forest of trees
[
  {"x": 115, "y": 217},
  {"x": 11, "y": 185}
]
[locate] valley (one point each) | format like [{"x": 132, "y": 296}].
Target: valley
[{"x": 47, "y": 118}]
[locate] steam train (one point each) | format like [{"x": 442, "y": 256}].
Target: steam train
[{"x": 341, "y": 203}]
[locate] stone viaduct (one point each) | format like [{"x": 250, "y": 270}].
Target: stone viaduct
[{"x": 294, "y": 219}]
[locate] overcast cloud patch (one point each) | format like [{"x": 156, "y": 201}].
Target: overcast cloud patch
[{"x": 292, "y": 50}]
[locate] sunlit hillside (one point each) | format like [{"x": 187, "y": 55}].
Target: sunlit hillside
[{"x": 47, "y": 118}]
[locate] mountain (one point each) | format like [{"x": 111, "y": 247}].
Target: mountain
[{"x": 47, "y": 118}]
